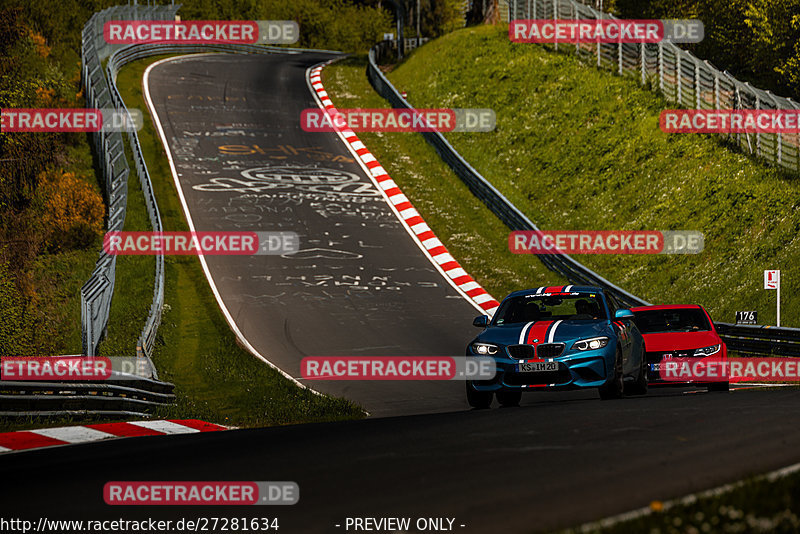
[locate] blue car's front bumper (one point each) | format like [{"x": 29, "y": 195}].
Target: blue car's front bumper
[{"x": 587, "y": 369}]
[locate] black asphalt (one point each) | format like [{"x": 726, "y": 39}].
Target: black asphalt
[
  {"x": 560, "y": 460},
  {"x": 359, "y": 286}
]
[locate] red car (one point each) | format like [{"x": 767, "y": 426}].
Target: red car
[{"x": 679, "y": 331}]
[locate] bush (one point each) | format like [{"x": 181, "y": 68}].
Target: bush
[{"x": 73, "y": 213}]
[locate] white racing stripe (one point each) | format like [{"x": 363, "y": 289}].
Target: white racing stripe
[
  {"x": 553, "y": 331},
  {"x": 524, "y": 333}
]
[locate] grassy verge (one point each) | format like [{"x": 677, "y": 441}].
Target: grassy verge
[
  {"x": 215, "y": 378},
  {"x": 758, "y": 505},
  {"x": 474, "y": 236},
  {"x": 577, "y": 147}
]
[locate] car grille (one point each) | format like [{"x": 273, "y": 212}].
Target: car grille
[
  {"x": 528, "y": 379},
  {"x": 655, "y": 357},
  {"x": 549, "y": 350},
  {"x": 521, "y": 352},
  {"x": 545, "y": 350}
]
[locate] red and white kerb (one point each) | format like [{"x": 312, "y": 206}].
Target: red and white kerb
[
  {"x": 407, "y": 213},
  {"x": 68, "y": 435}
]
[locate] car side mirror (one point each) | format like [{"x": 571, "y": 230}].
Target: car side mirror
[
  {"x": 481, "y": 321},
  {"x": 623, "y": 314}
]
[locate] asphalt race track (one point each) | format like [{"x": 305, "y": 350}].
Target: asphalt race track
[
  {"x": 559, "y": 460},
  {"x": 359, "y": 286}
]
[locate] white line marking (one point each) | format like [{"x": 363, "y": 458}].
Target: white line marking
[
  {"x": 483, "y": 297},
  {"x": 73, "y": 434},
  {"x": 444, "y": 257},
  {"x": 228, "y": 317},
  {"x": 167, "y": 427}
]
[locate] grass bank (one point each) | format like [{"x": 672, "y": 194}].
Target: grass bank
[{"x": 577, "y": 147}]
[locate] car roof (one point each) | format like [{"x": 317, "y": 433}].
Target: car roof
[
  {"x": 666, "y": 307},
  {"x": 557, "y": 289}
]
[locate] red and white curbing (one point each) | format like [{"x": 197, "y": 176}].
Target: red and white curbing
[
  {"x": 68, "y": 435},
  {"x": 406, "y": 212}
]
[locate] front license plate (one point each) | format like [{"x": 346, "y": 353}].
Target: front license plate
[{"x": 537, "y": 367}]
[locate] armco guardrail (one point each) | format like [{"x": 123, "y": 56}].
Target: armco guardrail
[
  {"x": 117, "y": 60},
  {"x": 752, "y": 339},
  {"x": 739, "y": 338},
  {"x": 121, "y": 397},
  {"x": 680, "y": 76},
  {"x": 109, "y": 148},
  {"x": 120, "y": 394},
  {"x": 484, "y": 190}
]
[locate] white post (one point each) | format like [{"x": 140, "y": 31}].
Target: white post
[
  {"x": 555, "y": 16},
  {"x": 779, "y": 301}
]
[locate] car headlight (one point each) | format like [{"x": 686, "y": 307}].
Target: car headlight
[
  {"x": 590, "y": 344},
  {"x": 708, "y": 351},
  {"x": 485, "y": 349}
]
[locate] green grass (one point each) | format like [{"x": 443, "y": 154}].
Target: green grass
[
  {"x": 577, "y": 147},
  {"x": 758, "y": 505},
  {"x": 215, "y": 378},
  {"x": 473, "y": 235}
]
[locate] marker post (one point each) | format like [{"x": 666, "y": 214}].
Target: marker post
[{"x": 772, "y": 280}]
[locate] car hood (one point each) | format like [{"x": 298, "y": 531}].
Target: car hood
[
  {"x": 543, "y": 331},
  {"x": 667, "y": 341}
]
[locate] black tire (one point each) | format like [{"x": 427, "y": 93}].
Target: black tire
[
  {"x": 614, "y": 388},
  {"x": 719, "y": 387},
  {"x": 478, "y": 399},
  {"x": 509, "y": 397},
  {"x": 640, "y": 386}
]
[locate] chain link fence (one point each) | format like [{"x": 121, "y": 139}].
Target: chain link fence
[{"x": 681, "y": 77}]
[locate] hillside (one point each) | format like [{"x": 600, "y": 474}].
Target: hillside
[{"x": 577, "y": 147}]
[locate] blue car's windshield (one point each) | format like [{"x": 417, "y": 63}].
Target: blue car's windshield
[{"x": 527, "y": 308}]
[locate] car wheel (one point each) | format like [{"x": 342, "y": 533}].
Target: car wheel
[
  {"x": 509, "y": 397},
  {"x": 719, "y": 386},
  {"x": 614, "y": 388},
  {"x": 478, "y": 399},
  {"x": 640, "y": 386}
]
